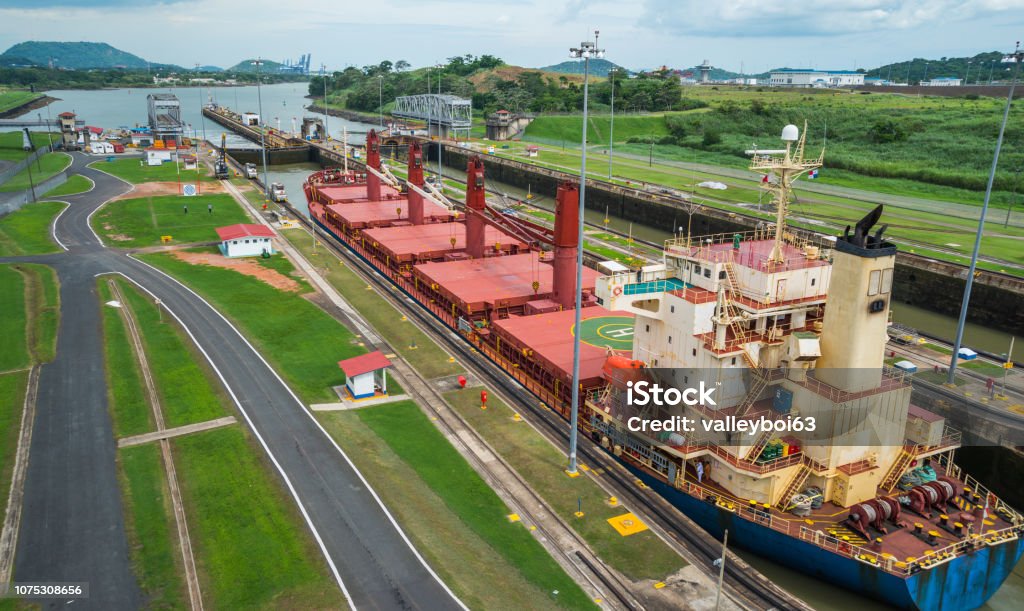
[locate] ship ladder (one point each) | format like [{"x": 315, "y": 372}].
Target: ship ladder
[
  {"x": 897, "y": 470},
  {"x": 760, "y": 379},
  {"x": 794, "y": 486},
  {"x": 758, "y": 447}
]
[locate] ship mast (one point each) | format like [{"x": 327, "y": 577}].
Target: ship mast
[{"x": 786, "y": 166}]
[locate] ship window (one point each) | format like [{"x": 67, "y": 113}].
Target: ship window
[
  {"x": 721, "y": 275},
  {"x": 647, "y": 328},
  {"x": 886, "y": 280},
  {"x": 733, "y": 360},
  {"x": 694, "y": 352},
  {"x": 873, "y": 281},
  {"x": 672, "y": 309},
  {"x": 696, "y": 269},
  {"x": 707, "y": 272},
  {"x": 686, "y": 379},
  {"x": 813, "y": 280},
  {"x": 670, "y": 339}
]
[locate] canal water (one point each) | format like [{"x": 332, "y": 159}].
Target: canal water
[{"x": 112, "y": 108}]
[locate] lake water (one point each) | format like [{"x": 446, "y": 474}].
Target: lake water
[{"x": 114, "y": 108}]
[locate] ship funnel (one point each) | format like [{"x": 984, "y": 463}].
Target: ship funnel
[
  {"x": 415, "y": 177},
  {"x": 566, "y": 242},
  {"x": 475, "y": 205},
  {"x": 372, "y": 161}
]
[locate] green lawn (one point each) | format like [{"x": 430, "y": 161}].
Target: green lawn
[
  {"x": 45, "y": 167},
  {"x": 12, "y": 99},
  {"x": 301, "y": 341},
  {"x": 427, "y": 358},
  {"x": 15, "y": 354},
  {"x": 135, "y": 171},
  {"x": 252, "y": 548},
  {"x": 126, "y": 395},
  {"x": 639, "y": 556},
  {"x": 11, "y": 144},
  {"x": 43, "y": 293},
  {"x": 415, "y": 440},
  {"x": 12, "y": 402},
  {"x": 475, "y": 569},
  {"x": 152, "y": 535},
  {"x": 187, "y": 388},
  {"x": 75, "y": 184},
  {"x": 141, "y": 221},
  {"x": 26, "y": 231}
]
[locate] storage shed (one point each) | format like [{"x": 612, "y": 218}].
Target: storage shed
[{"x": 365, "y": 375}]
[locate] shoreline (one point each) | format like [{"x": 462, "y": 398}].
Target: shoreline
[{"x": 17, "y": 111}]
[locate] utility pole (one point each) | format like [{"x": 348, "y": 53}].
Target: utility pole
[
  {"x": 586, "y": 50},
  {"x": 611, "y": 126},
  {"x": 721, "y": 570},
  {"x": 380, "y": 100},
  {"x": 327, "y": 126},
  {"x": 202, "y": 118},
  {"x": 1017, "y": 57},
  {"x": 263, "y": 145}
]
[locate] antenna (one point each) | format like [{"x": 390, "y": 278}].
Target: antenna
[{"x": 788, "y": 168}]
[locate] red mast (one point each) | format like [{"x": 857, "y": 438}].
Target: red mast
[
  {"x": 566, "y": 241},
  {"x": 475, "y": 205},
  {"x": 372, "y": 161},
  {"x": 415, "y": 177}
]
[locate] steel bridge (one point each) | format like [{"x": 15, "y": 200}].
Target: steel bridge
[
  {"x": 35, "y": 123},
  {"x": 442, "y": 113}
]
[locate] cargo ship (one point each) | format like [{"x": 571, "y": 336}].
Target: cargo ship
[{"x": 785, "y": 327}]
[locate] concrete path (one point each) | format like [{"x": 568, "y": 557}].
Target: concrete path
[{"x": 137, "y": 440}]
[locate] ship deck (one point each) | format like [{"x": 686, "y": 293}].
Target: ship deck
[
  {"x": 751, "y": 253},
  {"x": 433, "y": 241},
  {"x": 548, "y": 337},
  {"x": 346, "y": 194},
  {"x": 383, "y": 213},
  {"x": 900, "y": 543}
]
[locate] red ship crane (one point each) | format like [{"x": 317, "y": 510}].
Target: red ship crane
[
  {"x": 415, "y": 179},
  {"x": 566, "y": 243},
  {"x": 372, "y": 163},
  {"x": 476, "y": 204}
]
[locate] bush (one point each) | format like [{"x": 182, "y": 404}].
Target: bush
[
  {"x": 711, "y": 138},
  {"x": 885, "y": 131}
]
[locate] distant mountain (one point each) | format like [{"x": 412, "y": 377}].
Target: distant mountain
[
  {"x": 719, "y": 74},
  {"x": 73, "y": 55},
  {"x": 12, "y": 61},
  {"x": 598, "y": 67},
  {"x": 983, "y": 67},
  {"x": 209, "y": 69},
  {"x": 246, "y": 66}
]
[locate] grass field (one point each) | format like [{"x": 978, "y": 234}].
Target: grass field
[
  {"x": 135, "y": 171},
  {"x": 11, "y": 144},
  {"x": 141, "y": 221},
  {"x": 427, "y": 357},
  {"x": 45, "y": 167},
  {"x": 416, "y": 441},
  {"x": 43, "y": 294},
  {"x": 152, "y": 536},
  {"x": 188, "y": 390},
  {"x": 126, "y": 395},
  {"x": 12, "y": 99},
  {"x": 26, "y": 231},
  {"x": 301, "y": 341},
  {"x": 251, "y": 545},
  {"x": 75, "y": 184},
  {"x": 15, "y": 354},
  {"x": 475, "y": 569},
  {"x": 639, "y": 556}
]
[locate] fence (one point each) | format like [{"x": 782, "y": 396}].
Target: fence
[
  {"x": 7, "y": 173},
  {"x": 9, "y": 202}
]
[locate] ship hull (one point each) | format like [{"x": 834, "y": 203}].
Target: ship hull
[{"x": 965, "y": 582}]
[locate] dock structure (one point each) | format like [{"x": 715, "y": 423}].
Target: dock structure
[
  {"x": 165, "y": 117},
  {"x": 445, "y": 115}
]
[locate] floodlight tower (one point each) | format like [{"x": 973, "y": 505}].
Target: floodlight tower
[{"x": 787, "y": 168}]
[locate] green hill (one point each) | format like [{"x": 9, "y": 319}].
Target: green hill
[
  {"x": 246, "y": 66},
  {"x": 598, "y": 67},
  {"x": 73, "y": 55},
  {"x": 983, "y": 66}
]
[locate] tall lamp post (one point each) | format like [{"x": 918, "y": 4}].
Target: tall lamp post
[
  {"x": 611, "y": 124},
  {"x": 586, "y": 51},
  {"x": 440, "y": 140},
  {"x": 263, "y": 145},
  {"x": 1016, "y": 58},
  {"x": 202, "y": 118},
  {"x": 380, "y": 100},
  {"x": 327, "y": 126}
]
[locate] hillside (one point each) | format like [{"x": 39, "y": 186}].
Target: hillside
[
  {"x": 486, "y": 80},
  {"x": 73, "y": 55},
  {"x": 246, "y": 66},
  {"x": 983, "y": 66},
  {"x": 598, "y": 67}
]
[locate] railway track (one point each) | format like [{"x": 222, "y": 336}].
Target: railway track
[{"x": 743, "y": 584}]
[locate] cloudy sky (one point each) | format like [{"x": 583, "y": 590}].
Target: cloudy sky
[{"x": 753, "y": 34}]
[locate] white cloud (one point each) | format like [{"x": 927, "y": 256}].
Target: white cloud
[{"x": 765, "y": 19}]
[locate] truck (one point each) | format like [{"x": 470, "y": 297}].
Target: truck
[
  {"x": 250, "y": 170},
  {"x": 277, "y": 193}
]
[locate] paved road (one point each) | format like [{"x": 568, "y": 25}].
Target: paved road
[{"x": 73, "y": 528}]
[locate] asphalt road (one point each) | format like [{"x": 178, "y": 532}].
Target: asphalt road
[{"x": 73, "y": 529}]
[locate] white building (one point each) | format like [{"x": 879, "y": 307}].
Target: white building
[
  {"x": 251, "y": 119},
  {"x": 806, "y": 77},
  {"x": 142, "y": 139},
  {"x": 365, "y": 375},
  {"x": 942, "y": 81},
  {"x": 159, "y": 156},
  {"x": 101, "y": 147},
  {"x": 245, "y": 240}
]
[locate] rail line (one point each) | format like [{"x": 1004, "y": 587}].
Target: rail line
[{"x": 743, "y": 584}]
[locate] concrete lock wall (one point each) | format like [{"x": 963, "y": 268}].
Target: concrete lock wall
[
  {"x": 9, "y": 172},
  {"x": 9, "y": 202}
]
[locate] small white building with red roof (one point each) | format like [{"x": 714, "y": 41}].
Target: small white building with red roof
[
  {"x": 245, "y": 240},
  {"x": 365, "y": 375}
]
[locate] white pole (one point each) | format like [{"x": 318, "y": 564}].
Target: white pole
[{"x": 721, "y": 571}]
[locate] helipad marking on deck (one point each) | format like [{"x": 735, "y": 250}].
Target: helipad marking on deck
[{"x": 602, "y": 331}]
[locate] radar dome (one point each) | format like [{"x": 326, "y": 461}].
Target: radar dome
[{"x": 790, "y": 133}]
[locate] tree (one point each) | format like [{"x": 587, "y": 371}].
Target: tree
[
  {"x": 402, "y": 65},
  {"x": 885, "y": 131}
]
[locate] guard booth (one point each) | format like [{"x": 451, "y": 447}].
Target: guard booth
[{"x": 366, "y": 375}]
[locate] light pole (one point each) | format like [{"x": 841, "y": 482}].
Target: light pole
[
  {"x": 380, "y": 100},
  {"x": 327, "y": 126},
  {"x": 586, "y": 51},
  {"x": 202, "y": 118},
  {"x": 1017, "y": 56},
  {"x": 263, "y": 145},
  {"x": 967, "y": 75},
  {"x": 611, "y": 124},
  {"x": 1013, "y": 198},
  {"x": 440, "y": 140}
]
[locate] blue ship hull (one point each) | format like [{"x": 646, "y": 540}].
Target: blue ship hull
[
  {"x": 963, "y": 583},
  {"x": 959, "y": 585}
]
